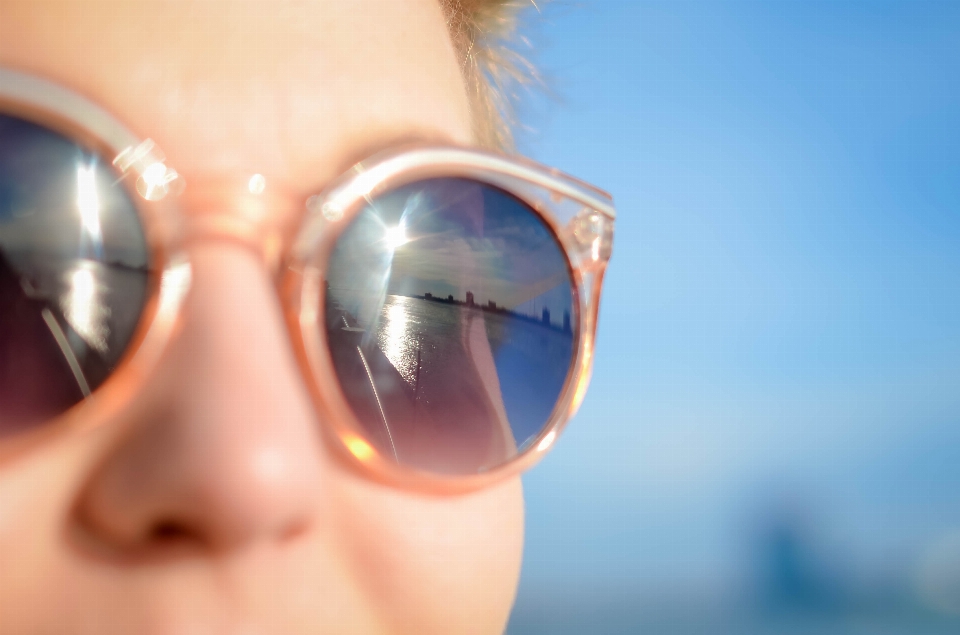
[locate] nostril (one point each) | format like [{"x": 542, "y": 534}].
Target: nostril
[{"x": 170, "y": 531}]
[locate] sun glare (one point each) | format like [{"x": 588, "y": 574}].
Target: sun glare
[
  {"x": 396, "y": 237},
  {"x": 88, "y": 201}
]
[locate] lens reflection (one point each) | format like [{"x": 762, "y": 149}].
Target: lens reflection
[
  {"x": 73, "y": 273},
  {"x": 450, "y": 322}
]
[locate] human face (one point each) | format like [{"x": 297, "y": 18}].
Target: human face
[{"x": 211, "y": 504}]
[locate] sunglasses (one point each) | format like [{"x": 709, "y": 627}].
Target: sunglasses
[{"x": 442, "y": 301}]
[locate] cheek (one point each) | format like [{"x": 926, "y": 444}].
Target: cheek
[
  {"x": 429, "y": 563},
  {"x": 35, "y": 495}
]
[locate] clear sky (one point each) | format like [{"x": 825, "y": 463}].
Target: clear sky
[{"x": 773, "y": 428}]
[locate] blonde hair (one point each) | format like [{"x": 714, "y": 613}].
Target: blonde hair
[{"x": 484, "y": 33}]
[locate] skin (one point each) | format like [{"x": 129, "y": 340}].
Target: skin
[{"x": 211, "y": 504}]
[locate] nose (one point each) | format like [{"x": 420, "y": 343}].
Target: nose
[{"x": 222, "y": 449}]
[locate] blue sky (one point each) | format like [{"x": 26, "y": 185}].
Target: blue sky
[{"x": 779, "y": 342}]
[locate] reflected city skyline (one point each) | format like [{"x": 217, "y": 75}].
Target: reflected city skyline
[
  {"x": 544, "y": 318},
  {"x": 450, "y": 237}
]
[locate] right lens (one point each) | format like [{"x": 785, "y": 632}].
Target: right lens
[
  {"x": 73, "y": 272},
  {"x": 451, "y": 324}
]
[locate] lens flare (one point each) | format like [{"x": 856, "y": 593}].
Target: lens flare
[
  {"x": 88, "y": 203},
  {"x": 155, "y": 174},
  {"x": 360, "y": 448},
  {"x": 547, "y": 441},
  {"x": 156, "y": 180},
  {"x": 257, "y": 184},
  {"x": 396, "y": 237}
]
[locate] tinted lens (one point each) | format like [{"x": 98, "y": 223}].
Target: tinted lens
[
  {"x": 451, "y": 324},
  {"x": 73, "y": 273}
]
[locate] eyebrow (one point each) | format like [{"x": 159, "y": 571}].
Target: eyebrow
[
  {"x": 358, "y": 150},
  {"x": 365, "y": 150}
]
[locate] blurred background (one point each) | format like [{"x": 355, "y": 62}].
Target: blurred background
[{"x": 771, "y": 443}]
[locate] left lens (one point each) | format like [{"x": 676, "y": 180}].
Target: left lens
[
  {"x": 451, "y": 324},
  {"x": 73, "y": 272}
]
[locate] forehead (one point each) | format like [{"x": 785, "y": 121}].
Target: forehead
[{"x": 293, "y": 90}]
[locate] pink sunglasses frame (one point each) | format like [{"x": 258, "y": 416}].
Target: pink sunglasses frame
[{"x": 580, "y": 216}]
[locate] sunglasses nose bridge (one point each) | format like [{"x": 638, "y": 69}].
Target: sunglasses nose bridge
[{"x": 245, "y": 214}]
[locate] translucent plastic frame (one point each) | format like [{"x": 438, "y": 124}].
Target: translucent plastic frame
[{"x": 580, "y": 216}]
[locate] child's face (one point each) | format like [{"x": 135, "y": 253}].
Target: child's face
[{"x": 213, "y": 506}]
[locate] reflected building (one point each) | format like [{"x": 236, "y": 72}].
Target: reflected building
[{"x": 544, "y": 318}]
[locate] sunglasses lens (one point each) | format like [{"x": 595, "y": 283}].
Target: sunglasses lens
[
  {"x": 73, "y": 273},
  {"x": 451, "y": 324}
]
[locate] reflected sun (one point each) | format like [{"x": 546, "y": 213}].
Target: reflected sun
[{"x": 396, "y": 237}]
